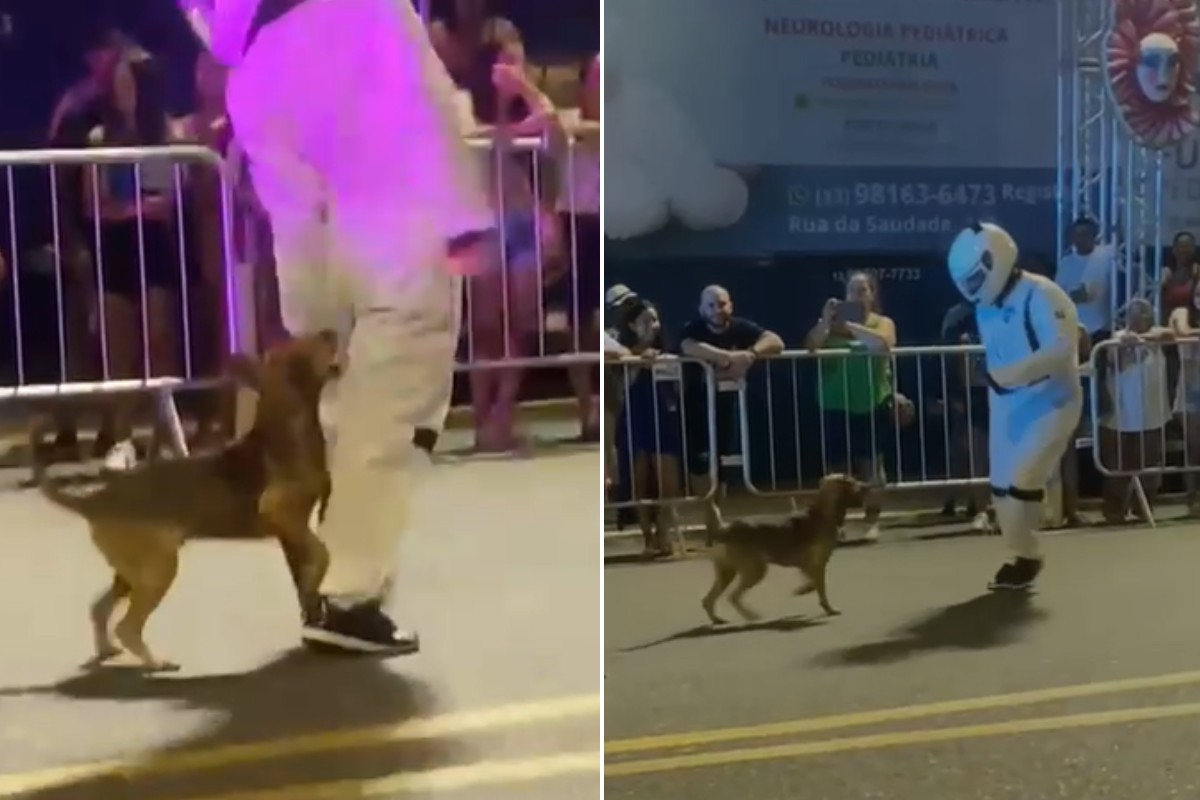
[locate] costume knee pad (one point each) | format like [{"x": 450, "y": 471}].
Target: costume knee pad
[{"x": 1018, "y": 512}]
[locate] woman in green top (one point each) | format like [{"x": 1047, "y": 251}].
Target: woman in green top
[{"x": 855, "y": 390}]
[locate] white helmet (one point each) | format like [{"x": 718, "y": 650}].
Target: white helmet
[{"x": 982, "y": 259}]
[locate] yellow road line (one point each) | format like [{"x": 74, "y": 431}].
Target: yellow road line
[
  {"x": 454, "y": 724},
  {"x": 897, "y": 714},
  {"x": 445, "y": 779},
  {"x": 884, "y": 740}
]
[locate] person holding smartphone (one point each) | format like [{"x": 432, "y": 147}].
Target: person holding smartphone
[{"x": 855, "y": 391}]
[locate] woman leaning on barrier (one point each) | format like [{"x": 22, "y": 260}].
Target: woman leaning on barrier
[
  {"x": 649, "y": 431},
  {"x": 504, "y": 303},
  {"x": 855, "y": 392},
  {"x": 138, "y": 256}
]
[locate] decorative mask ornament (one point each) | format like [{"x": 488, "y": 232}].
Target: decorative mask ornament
[{"x": 1150, "y": 63}]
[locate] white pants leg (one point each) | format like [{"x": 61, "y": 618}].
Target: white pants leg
[
  {"x": 1028, "y": 438},
  {"x": 356, "y": 163}
]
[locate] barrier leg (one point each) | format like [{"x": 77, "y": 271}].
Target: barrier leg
[
  {"x": 168, "y": 417},
  {"x": 1139, "y": 491}
]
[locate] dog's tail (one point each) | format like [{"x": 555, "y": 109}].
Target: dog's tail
[
  {"x": 51, "y": 488},
  {"x": 714, "y": 523}
]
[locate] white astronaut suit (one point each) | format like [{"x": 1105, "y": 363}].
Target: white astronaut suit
[
  {"x": 348, "y": 119},
  {"x": 1030, "y": 334}
]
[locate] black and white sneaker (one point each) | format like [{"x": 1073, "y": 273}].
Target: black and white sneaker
[
  {"x": 1016, "y": 575},
  {"x": 362, "y": 628}
]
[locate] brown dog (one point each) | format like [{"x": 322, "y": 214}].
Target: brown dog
[
  {"x": 745, "y": 548},
  {"x": 264, "y": 485}
]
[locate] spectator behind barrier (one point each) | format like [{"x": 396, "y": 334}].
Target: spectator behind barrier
[
  {"x": 1132, "y": 433},
  {"x": 209, "y": 126},
  {"x": 855, "y": 392},
  {"x": 504, "y": 303},
  {"x": 731, "y": 345},
  {"x": 136, "y": 233},
  {"x": 579, "y": 217},
  {"x": 965, "y": 410},
  {"x": 466, "y": 35},
  {"x": 1180, "y": 277},
  {"x": 1185, "y": 322},
  {"x": 616, "y": 300},
  {"x": 649, "y": 434},
  {"x": 1086, "y": 274},
  {"x": 76, "y": 114}
]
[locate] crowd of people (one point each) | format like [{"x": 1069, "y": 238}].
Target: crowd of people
[
  {"x": 141, "y": 245},
  {"x": 1148, "y": 385}
]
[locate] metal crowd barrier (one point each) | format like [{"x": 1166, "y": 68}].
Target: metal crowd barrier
[
  {"x": 537, "y": 308},
  {"x": 915, "y": 417},
  {"x": 110, "y": 228},
  {"x": 659, "y": 412},
  {"x": 1145, "y": 418}
]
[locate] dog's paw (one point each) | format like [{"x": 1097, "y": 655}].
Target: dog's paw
[
  {"x": 830, "y": 611},
  {"x": 157, "y": 667},
  {"x": 102, "y": 657},
  {"x": 804, "y": 589}
]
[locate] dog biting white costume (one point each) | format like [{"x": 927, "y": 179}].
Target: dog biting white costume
[
  {"x": 1030, "y": 336},
  {"x": 348, "y": 119}
]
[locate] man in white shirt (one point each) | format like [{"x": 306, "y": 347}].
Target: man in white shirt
[
  {"x": 1086, "y": 275},
  {"x": 348, "y": 120}
]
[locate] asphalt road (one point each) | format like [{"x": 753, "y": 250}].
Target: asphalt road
[
  {"x": 925, "y": 687},
  {"x": 499, "y": 574}
]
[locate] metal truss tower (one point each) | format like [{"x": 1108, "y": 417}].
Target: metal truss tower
[{"x": 1101, "y": 170}]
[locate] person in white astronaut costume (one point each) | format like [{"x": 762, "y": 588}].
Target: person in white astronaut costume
[
  {"x": 1030, "y": 335},
  {"x": 348, "y": 121}
]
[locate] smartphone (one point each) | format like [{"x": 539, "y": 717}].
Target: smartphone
[{"x": 852, "y": 311}]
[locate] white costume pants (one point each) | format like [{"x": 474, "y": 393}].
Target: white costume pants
[
  {"x": 1030, "y": 431},
  {"x": 355, "y": 157}
]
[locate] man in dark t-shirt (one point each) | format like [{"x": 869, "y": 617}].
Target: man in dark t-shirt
[{"x": 731, "y": 345}]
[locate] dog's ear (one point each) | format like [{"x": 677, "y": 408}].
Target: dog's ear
[{"x": 245, "y": 370}]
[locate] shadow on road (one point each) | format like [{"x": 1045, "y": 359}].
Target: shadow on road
[
  {"x": 297, "y": 694},
  {"x": 781, "y": 625},
  {"x": 983, "y": 622}
]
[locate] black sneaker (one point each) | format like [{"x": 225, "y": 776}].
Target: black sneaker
[
  {"x": 1016, "y": 575},
  {"x": 426, "y": 439},
  {"x": 360, "y": 629}
]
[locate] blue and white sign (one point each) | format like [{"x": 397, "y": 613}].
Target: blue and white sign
[{"x": 817, "y": 125}]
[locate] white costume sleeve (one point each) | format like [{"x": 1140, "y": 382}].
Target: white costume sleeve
[{"x": 1056, "y": 323}]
